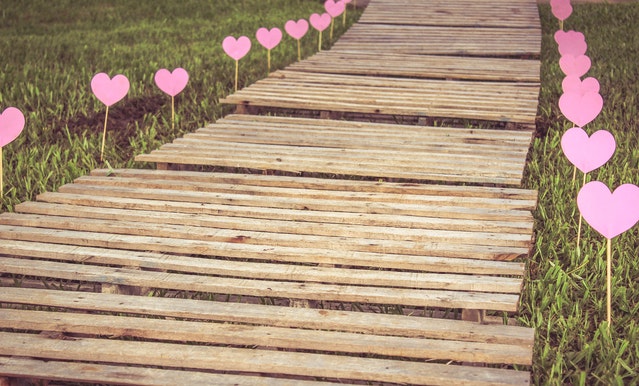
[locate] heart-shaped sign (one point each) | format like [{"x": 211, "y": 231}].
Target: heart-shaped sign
[
  {"x": 562, "y": 11},
  {"x": 107, "y": 90},
  {"x": 320, "y": 22},
  {"x": 334, "y": 8},
  {"x": 236, "y": 48},
  {"x": 269, "y": 39},
  {"x": 574, "y": 65},
  {"x": 588, "y": 153},
  {"x": 171, "y": 83},
  {"x": 297, "y": 29},
  {"x": 580, "y": 109},
  {"x": 572, "y": 83},
  {"x": 571, "y": 43},
  {"x": 610, "y": 214},
  {"x": 11, "y": 125}
]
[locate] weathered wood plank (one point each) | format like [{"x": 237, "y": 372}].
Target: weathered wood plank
[
  {"x": 254, "y": 361},
  {"x": 272, "y": 337},
  {"x": 276, "y": 316}
]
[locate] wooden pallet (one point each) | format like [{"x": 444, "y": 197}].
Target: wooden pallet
[
  {"x": 491, "y": 101},
  {"x": 425, "y": 40},
  {"x": 334, "y": 243},
  {"x": 474, "y": 13},
  {"x": 420, "y": 66},
  {"x": 353, "y": 148}
]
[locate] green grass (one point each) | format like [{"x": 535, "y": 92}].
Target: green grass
[
  {"x": 564, "y": 297},
  {"x": 51, "y": 50}
]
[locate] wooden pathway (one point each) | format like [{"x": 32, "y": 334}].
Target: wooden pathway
[{"x": 362, "y": 252}]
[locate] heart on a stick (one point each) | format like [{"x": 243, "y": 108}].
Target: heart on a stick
[
  {"x": 563, "y": 37},
  {"x": 334, "y": 8},
  {"x": 269, "y": 39},
  {"x": 562, "y": 10},
  {"x": 297, "y": 29},
  {"x": 580, "y": 109},
  {"x": 171, "y": 83},
  {"x": 236, "y": 48},
  {"x": 11, "y": 125},
  {"x": 571, "y": 43},
  {"x": 608, "y": 213},
  {"x": 573, "y": 83},
  {"x": 575, "y": 65},
  {"x": 107, "y": 90},
  {"x": 588, "y": 153},
  {"x": 320, "y": 22}
]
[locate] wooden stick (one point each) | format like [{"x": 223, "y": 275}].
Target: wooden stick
[
  {"x": 237, "y": 66},
  {"x": 268, "y": 61},
  {"x": 609, "y": 282},
  {"x": 331, "y": 34},
  {"x": 320, "y": 40},
  {"x": 172, "y": 112},
  {"x": 299, "y": 50},
  {"x": 574, "y": 174},
  {"x": 344, "y": 17},
  {"x": 106, "y": 117},
  {"x": 561, "y": 25},
  {"x": 580, "y": 221}
]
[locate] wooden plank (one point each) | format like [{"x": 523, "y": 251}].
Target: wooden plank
[
  {"x": 498, "y": 101},
  {"x": 272, "y": 337},
  {"x": 269, "y": 271},
  {"x": 419, "y": 66},
  {"x": 133, "y": 375},
  {"x": 440, "y": 40},
  {"x": 276, "y": 316},
  {"x": 254, "y": 361}
]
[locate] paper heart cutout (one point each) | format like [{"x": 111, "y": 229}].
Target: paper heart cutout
[
  {"x": 562, "y": 11},
  {"x": 236, "y": 48},
  {"x": 608, "y": 213},
  {"x": 11, "y": 125},
  {"x": 575, "y": 65},
  {"x": 571, "y": 43},
  {"x": 269, "y": 39},
  {"x": 297, "y": 29},
  {"x": 334, "y": 8},
  {"x": 554, "y": 3},
  {"x": 107, "y": 90},
  {"x": 572, "y": 83},
  {"x": 320, "y": 22},
  {"x": 580, "y": 109},
  {"x": 588, "y": 153},
  {"x": 171, "y": 83}
]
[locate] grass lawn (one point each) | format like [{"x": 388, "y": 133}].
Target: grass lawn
[{"x": 51, "y": 50}]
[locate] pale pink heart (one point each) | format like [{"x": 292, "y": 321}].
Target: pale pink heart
[
  {"x": 572, "y": 43},
  {"x": 320, "y": 22},
  {"x": 580, "y": 109},
  {"x": 236, "y": 48},
  {"x": 171, "y": 83},
  {"x": 572, "y": 83},
  {"x": 297, "y": 29},
  {"x": 107, "y": 90},
  {"x": 608, "y": 213},
  {"x": 562, "y": 11},
  {"x": 11, "y": 125},
  {"x": 269, "y": 39},
  {"x": 334, "y": 8},
  {"x": 574, "y": 65},
  {"x": 588, "y": 153},
  {"x": 554, "y": 3},
  {"x": 562, "y": 37}
]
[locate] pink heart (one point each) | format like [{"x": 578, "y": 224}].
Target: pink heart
[
  {"x": 320, "y": 22},
  {"x": 554, "y": 3},
  {"x": 610, "y": 214},
  {"x": 298, "y": 29},
  {"x": 571, "y": 43},
  {"x": 11, "y": 125},
  {"x": 334, "y": 8},
  {"x": 572, "y": 83},
  {"x": 171, "y": 83},
  {"x": 588, "y": 153},
  {"x": 562, "y": 11},
  {"x": 580, "y": 109},
  {"x": 574, "y": 65},
  {"x": 107, "y": 90},
  {"x": 269, "y": 39},
  {"x": 236, "y": 48}
]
